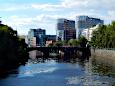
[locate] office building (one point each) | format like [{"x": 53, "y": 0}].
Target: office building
[
  {"x": 51, "y": 37},
  {"x": 84, "y": 22},
  {"x": 87, "y": 33},
  {"x": 36, "y": 37},
  {"x": 65, "y": 29}
]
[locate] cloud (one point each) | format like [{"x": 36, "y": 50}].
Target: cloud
[
  {"x": 73, "y": 3},
  {"x": 23, "y": 24},
  {"x": 111, "y": 14},
  {"x": 46, "y": 7},
  {"x": 45, "y": 15},
  {"x": 89, "y": 3},
  {"x": 96, "y": 8},
  {"x": 62, "y": 5},
  {"x": 104, "y": 9},
  {"x": 13, "y": 7}
]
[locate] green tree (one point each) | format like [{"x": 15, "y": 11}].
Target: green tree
[
  {"x": 12, "y": 49},
  {"x": 104, "y": 36},
  {"x": 73, "y": 42},
  {"x": 58, "y": 44},
  {"x": 83, "y": 41}
]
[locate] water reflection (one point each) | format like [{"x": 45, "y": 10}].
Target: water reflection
[
  {"x": 59, "y": 72},
  {"x": 73, "y": 80},
  {"x": 59, "y": 56},
  {"x": 92, "y": 72}
]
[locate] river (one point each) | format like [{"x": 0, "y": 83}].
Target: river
[{"x": 51, "y": 72}]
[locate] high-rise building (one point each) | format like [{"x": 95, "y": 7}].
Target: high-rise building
[
  {"x": 65, "y": 29},
  {"x": 84, "y": 22},
  {"x": 36, "y": 37},
  {"x": 87, "y": 33},
  {"x": 51, "y": 37}
]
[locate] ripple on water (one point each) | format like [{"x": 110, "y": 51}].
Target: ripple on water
[
  {"x": 85, "y": 81},
  {"x": 31, "y": 71},
  {"x": 73, "y": 80}
]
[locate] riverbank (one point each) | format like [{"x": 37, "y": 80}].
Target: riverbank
[{"x": 104, "y": 56}]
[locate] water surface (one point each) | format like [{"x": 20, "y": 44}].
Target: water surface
[{"x": 58, "y": 73}]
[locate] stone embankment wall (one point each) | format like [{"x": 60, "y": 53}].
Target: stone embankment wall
[{"x": 104, "y": 56}]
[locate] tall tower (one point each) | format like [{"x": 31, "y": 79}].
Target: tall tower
[
  {"x": 65, "y": 29},
  {"x": 84, "y": 22},
  {"x": 36, "y": 37}
]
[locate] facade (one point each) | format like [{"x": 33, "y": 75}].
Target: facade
[
  {"x": 65, "y": 29},
  {"x": 49, "y": 42},
  {"x": 87, "y": 33},
  {"x": 36, "y": 37},
  {"x": 84, "y": 22},
  {"x": 33, "y": 42},
  {"x": 51, "y": 37},
  {"x": 26, "y": 39}
]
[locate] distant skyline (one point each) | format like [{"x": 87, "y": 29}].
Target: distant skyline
[{"x": 23, "y": 15}]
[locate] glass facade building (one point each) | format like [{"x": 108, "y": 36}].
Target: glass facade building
[
  {"x": 65, "y": 29},
  {"x": 39, "y": 35},
  {"x": 51, "y": 37},
  {"x": 84, "y": 22}
]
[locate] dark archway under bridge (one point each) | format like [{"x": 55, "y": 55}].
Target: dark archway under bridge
[{"x": 68, "y": 51}]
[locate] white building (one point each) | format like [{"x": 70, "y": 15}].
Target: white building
[
  {"x": 33, "y": 42},
  {"x": 84, "y": 22},
  {"x": 26, "y": 39},
  {"x": 88, "y": 32}
]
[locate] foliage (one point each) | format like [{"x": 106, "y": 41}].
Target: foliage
[
  {"x": 58, "y": 43},
  {"x": 83, "y": 41},
  {"x": 22, "y": 52},
  {"x": 12, "y": 48},
  {"x": 50, "y": 45},
  {"x": 73, "y": 42},
  {"x": 104, "y": 36}
]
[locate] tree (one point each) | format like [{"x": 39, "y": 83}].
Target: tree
[
  {"x": 73, "y": 42},
  {"x": 58, "y": 44},
  {"x": 12, "y": 48},
  {"x": 104, "y": 36},
  {"x": 83, "y": 41}
]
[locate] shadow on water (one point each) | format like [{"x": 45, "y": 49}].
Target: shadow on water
[
  {"x": 6, "y": 74},
  {"x": 64, "y": 56}
]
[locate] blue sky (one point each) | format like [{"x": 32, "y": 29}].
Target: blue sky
[{"x": 23, "y": 15}]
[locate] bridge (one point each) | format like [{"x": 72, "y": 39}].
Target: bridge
[{"x": 68, "y": 51}]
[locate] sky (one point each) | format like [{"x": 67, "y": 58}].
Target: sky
[{"x": 23, "y": 15}]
